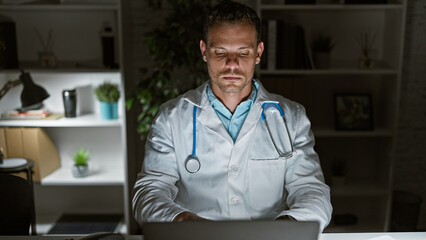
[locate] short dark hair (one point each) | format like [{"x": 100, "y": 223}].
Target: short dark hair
[{"x": 232, "y": 12}]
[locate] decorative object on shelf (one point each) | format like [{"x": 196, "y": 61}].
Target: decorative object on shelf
[
  {"x": 338, "y": 171},
  {"x": 8, "y": 46},
  {"x": 32, "y": 95},
  {"x": 69, "y": 96},
  {"x": 321, "y": 48},
  {"x": 172, "y": 47},
  {"x": 353, "y": 111},
  {"x": 47, "y": 57},
  {"x": 81, "y": 166},
  {"x": 366, "y": 42},
  {"x": 108, "y": 46},
  {"x": 108, "y": 95}
]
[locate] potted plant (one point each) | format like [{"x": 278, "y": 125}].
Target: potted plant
[
  {"x": 321, "y": 47},
  {"x": 81, "y": 167},
  {"x": 108, "y": 95},
  {"x": 174, "y": 47}
]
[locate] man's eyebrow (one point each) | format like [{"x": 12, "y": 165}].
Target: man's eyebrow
[{"x": 223, "y": 48}]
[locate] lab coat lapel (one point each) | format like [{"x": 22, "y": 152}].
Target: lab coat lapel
[
  {"x": 256, "y": 110},
  {"x": 251, "y": 120},
  {"x": 209, "y": 119},
  {"x": 206, "y": 114}
]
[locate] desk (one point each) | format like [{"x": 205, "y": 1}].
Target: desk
[{"x": 324, "y": 236}]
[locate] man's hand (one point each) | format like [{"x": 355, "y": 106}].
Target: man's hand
[{"x": 188, "y": 216}]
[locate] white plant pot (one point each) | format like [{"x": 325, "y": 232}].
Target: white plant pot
[{"x": 80, "y": 171}]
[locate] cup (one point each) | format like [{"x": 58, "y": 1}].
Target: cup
[{"x": 69, "y": 97}]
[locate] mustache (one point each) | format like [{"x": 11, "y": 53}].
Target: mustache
[{"x": 232, "y": 72}]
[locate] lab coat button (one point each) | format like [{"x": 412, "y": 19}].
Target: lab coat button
[
  {"x": 234, "y": 168},
  {"x": 234, "y": 200}
]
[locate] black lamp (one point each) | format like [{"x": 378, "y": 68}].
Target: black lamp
[{"x": 32, "y": 94}]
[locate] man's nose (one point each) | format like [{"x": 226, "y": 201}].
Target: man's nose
[{"x": 232, "y": 61}]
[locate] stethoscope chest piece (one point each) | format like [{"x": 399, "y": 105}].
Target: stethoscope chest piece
[{"x": 192, "y": 164}]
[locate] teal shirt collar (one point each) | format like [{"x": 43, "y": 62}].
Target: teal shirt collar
[{"x": 233, "y": 122}]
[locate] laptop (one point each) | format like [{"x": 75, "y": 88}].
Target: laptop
[{"x": 231, "y": 230}]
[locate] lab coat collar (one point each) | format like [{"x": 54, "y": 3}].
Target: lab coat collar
[
  {"x": 207, "y": 116},
  {"x": 199, "y": 98}
]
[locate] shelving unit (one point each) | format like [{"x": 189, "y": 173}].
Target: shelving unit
[
  {"x": 367, "y": 190},
  {"x": 78, "y": 50}
]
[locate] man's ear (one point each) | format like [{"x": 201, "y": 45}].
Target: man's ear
[
  {"x": 203, "y": 48},
  {"x": 260, "y": 48}
]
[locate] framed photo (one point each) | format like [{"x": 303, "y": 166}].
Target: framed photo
[{"x": 353, "y": 111}]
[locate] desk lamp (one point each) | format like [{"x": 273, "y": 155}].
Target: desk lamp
[{"x": 32, "y": 95}]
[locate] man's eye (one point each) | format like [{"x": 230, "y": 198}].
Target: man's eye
[
  {"x": 220, "y": 54},
  {"x": 244, "y": 54}
]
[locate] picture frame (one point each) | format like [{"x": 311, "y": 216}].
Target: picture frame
[{"x": 353, "y": 111}]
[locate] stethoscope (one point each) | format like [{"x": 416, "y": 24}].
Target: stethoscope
[{"x": 274, "y": 117}]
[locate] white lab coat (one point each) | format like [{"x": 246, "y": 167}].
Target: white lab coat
[{"x": 242, "y": 180}]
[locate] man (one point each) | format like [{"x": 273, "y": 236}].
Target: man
[{"x": 209, "y": 155}]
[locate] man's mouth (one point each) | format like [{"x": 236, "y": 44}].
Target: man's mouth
[{"x": 231, "y": 77}]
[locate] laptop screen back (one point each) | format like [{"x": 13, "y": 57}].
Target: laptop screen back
[{"x": 231, "y": 230}]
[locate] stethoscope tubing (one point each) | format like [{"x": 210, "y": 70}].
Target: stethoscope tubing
[
  {"x": 192, "y": 163},
  {"x": 194, "y": 131}
]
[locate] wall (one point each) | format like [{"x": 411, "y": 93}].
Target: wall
[{"x": 410, "y": 162}]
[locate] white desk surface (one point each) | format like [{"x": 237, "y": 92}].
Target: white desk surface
[{"x": 325, "y": 236}]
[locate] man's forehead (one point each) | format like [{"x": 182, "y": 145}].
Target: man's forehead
[{"x": 240, "y": 35}]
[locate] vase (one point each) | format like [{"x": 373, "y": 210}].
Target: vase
[
  {"x": 366, "y": 62},
  {"x": 109, "y": 110},
  {"x": 47, "y": 59},
  {"x": 80, "y": 171},
  {"x": 322, "y": 60}
]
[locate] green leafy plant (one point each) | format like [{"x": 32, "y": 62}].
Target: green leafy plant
[
  {"x": 107, "y": 92},
  {"x": 322, "y": 43},
  {"x": 174, "y": 47},
  {"x": 81, "y": 157}
]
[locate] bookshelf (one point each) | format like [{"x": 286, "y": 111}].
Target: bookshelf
[
  {"x": 367, "y": 189},
  {"x": 78, "y": 50}
]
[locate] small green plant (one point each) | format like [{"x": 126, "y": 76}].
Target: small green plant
[
  {"x": 107, "y": 92},
  {"x": 81, "y": 157},
  {"x": 322, "y": 43}
]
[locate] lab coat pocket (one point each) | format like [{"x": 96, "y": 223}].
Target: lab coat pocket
[{"x": 266, "y": 183}]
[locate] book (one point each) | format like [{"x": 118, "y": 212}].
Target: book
[
  {"x": 30, "y": 114},
  {"x": 286, "y": 50}
]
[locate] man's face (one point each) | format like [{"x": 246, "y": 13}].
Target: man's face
[{"x": 231, "y": 53}]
